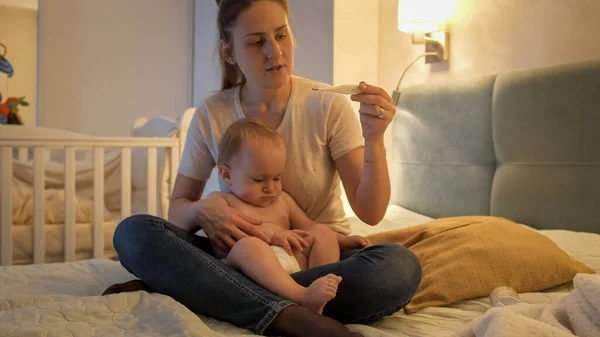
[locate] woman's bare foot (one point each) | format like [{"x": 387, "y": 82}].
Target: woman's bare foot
[{"x": 321, "y": 291}]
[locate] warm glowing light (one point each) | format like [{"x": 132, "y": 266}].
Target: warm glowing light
[{"x": 424, "y": 15}]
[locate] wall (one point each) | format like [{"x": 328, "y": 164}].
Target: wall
[
  {"x": 207, "y": 75},
  {"x": 355, "y": 46},
  {"x": 355, "y": 49},
  {"x": 491, "y": 36},
  {"x": 105, "y": 63},
  {"x": 18, "y": 31},
  {"x": 312, "y": 23}
]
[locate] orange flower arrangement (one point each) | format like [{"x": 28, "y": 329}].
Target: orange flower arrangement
[{"x": 10, "y": 108}]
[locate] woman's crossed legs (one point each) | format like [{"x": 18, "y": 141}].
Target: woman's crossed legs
[{"x": 377, "y": 281}]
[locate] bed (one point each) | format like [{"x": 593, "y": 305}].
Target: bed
[{"x": 520, "y": 145}]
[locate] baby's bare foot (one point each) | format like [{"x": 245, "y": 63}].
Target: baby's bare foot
[{"x": 321, "y": 291}]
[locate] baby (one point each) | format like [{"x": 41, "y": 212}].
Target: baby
[{"x": 251, "y": 162}]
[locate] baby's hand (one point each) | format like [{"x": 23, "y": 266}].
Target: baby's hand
[
  {"x": 354, "y": 242},
  {"x": 287, "y": 239}
]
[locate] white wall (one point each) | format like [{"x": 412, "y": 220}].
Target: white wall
[
  {"x": 105, "y": 63},
  {"x": 490, "y": 36},
  {"x": 312, "y": 23},
  {"x": 207, "y": 74},
  {"x": 355, "y": 41},
  {"x": 18, "y": 32},
  {"x": 355, "y": 48}
]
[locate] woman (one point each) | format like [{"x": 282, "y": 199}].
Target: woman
[{"x": 325, "y": 142}]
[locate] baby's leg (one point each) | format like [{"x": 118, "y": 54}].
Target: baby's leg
[
  {"x": 255, "y": 258},
  {"x": 324, "y": 248}
]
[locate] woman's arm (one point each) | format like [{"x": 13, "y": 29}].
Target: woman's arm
[
  {"x": 364, "y": 170},
  {"x": 222, "y": 224},
  {"x": 182, "y": 210},
  {"x": 298, "y": 218},
  {"x": 364, "y": 174}
]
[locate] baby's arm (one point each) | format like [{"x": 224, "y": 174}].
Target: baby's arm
[
  {"x": 324, "y": 247},
  {"x": 298, "y": 218}
]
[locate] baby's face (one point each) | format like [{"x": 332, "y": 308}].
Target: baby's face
[{"x": 256, "y": 172}]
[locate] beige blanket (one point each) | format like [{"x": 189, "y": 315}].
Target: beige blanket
[
  {"x": 54, "y": 200},
  {"x": 54, "y": 195}
]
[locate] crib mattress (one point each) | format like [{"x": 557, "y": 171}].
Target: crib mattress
[
  {"x": 63, "y": 298},
  {"x": 54, "y": 241}
]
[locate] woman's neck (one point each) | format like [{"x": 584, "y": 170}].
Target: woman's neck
[{"x": 265, "y": 104}]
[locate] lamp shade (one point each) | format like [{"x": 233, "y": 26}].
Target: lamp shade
[{"x": 426, "y": 16}]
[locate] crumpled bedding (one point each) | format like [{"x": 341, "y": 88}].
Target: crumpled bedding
[
  {"x": 54, "y": 206},
  {"x": 54, "y": 195},
  {"x": 577, "y": 315},
  {"x": 62, "y": 299}
]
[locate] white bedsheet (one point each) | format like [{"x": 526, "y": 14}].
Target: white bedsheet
[{"x": 61, "y": 299}]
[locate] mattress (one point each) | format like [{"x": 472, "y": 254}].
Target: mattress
[
  {"x": 54, "y": 241},
  {"x": 62, "y": 299}
]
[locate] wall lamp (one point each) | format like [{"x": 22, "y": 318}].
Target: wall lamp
[{"x": 425, "y": 21}]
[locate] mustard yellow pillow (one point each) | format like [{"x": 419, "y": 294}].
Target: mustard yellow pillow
[{"x": 468, "y": 257}]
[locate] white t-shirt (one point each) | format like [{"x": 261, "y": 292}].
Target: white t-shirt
[{"x": 317, "y": 127}]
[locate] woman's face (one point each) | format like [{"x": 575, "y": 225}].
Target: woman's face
[{"x": 263, "y": 46}]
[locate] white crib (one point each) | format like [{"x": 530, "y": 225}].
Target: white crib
[{"x": 41, "y": 167}]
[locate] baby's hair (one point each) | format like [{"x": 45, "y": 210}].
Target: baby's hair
[{"x": 242, "y": 131}]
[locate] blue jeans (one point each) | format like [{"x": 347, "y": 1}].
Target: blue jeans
[{"x": 376, "y": 281}]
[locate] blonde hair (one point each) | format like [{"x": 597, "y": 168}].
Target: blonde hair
[{"x": 242, "y": 131}]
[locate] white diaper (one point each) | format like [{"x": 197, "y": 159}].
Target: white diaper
[{"x": 289, "y": 263}]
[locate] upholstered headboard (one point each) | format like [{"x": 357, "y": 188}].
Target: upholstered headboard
[{"x": 522, "y": 145}]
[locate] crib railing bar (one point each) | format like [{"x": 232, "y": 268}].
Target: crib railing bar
[
  {"x": 173, "y": 163},
  {"x": 40, "y": 162},
  {"x": 39, "y": 207},
  {"x": 69, "y": 234},
  {"x": 174, "y": 166},
  {"x": 98, "y": 225},
  {"x": 152, "y": 181},
  {"x": 6, "y": 208},
  {"x": 181, "y": 142},
  {"x": 91, "y": 142},
  {"x": 125, "y": 182},
  {"x": 23, "y": 154}
]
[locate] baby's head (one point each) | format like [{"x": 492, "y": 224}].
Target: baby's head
[{"x": 252, "y": 160}]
